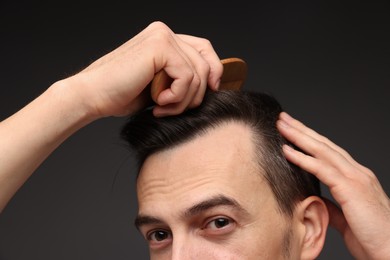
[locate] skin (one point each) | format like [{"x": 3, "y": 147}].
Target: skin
[
  {"x": 362, "y": 215},
  {"x": 206, "y": 199},
  {"x": 72, "y": 103}
]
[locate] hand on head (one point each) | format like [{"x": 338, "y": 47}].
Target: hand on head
[
  {"x": 363, "y": 218},
  {"x": 116, "y": 83}
]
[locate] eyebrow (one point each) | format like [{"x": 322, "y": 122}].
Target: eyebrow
[
  {"x": 142, "y": 220},
  {"x": 215, "y": 201}
]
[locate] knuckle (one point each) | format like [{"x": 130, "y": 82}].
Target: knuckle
[
  {"x": 322, "y": 147},
  {"x": 196, "y": 102},
  {"x": 188, "y": 78},
  {"x": 160, "y": 34},
  {"x": 205, "y": 42},
  {"x": 158, "y": 25},
  {"x": 180, "y": 109},
  {"x": 324, "y": 139},
  {"x": 196, "y": 81},
  {"x": 363, "y": 180},
  {"x": 205, "y": 69},
  {"x": 368, "y": 171}
]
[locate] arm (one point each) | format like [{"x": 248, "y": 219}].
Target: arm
[
  {"x": 113, "y": 85},
  {"x": 364, "y": 217}
]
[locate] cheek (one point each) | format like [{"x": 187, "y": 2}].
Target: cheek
[
  {"x": 262, "y": 240},
  {"x": 246, "y": 248}
]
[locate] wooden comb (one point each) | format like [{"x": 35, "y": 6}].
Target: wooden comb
[{"x": 233, "y": 77}]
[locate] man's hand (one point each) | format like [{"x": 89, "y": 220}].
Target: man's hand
[
  {"x": 114, "y": 85},
  {"x": 364, "y": 217}
]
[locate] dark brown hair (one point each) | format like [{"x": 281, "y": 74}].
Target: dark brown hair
[{"x": 147, "y": 134}]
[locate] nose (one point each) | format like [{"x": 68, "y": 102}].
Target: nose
[{"x": 185, "y": 248}]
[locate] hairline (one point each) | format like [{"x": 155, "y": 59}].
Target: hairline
[{"x": 258, "y": 151}]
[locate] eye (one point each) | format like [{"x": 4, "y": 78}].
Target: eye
[
  {"x": 158, "y": 236},
  {"x": 219, "y": 223}
]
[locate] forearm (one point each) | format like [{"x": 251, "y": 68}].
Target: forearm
[
  {"x": 28, "y": 137},
  {"x": 114, "y": 85}
]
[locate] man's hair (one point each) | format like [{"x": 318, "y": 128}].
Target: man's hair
[{"x": 147, "y": 134}]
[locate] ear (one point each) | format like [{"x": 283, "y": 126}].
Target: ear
[{"x": 314, "y": 218}]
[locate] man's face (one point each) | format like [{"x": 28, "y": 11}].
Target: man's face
[{"x": 206, "y": 199}]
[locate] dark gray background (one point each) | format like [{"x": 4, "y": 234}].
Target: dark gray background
[{"x": 328, "y": 63}]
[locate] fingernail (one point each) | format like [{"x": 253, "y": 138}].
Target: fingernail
[
  {"x": 158, "y": 112},
  {"x": 287, "y": 148},
  {"x": 286, "y": 116},
  {"x": 283, "y": 124}
]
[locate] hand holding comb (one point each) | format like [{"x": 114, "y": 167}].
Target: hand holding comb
[{"x": 233, "y": 77}]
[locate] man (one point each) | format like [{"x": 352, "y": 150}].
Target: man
[
  {"x": 214, "y": 184},
  {"x": 115, "y": 85}
]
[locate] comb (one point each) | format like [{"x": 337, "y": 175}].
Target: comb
[{"x": 233, "y": 77}]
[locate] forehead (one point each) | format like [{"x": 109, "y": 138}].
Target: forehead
[{"x": 221, "y": 161}]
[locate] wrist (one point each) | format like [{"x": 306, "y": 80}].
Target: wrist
[{"x": 72, "y": 101}]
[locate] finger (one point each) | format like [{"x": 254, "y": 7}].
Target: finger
[
  {"x": 187, "y": 62},
  {"x": 195, "y": 80},
  {"x": 323, "y": 171},
  {"x": 315, "y": 135},
  {"x": 179, "y": 88},
  {"x": 299, "y": 125},
  {"x": 201, "y": 69},
  {"x": 336, "y": 217},
  {"x": 167, "y": 110},
  {"x": 198, "y": 96},
  {"x": 317, "y": 149},
  {"x": 206, "y": 50},
  {"x": 174, "y": 108},
  {"x": 182, "y": 73},
  {"x": 171, "y": 58}
]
